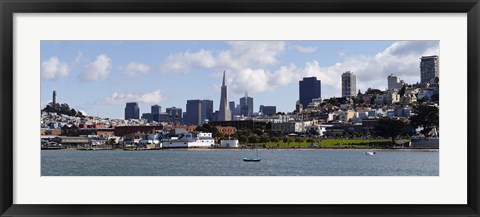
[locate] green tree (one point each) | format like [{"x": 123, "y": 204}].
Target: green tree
[
  {"x": 298, "y": 140},
  {"x": 253, "y": 139},
  {"x": 242, "y": 139},
  {"x": 390, "y": 128},
  {"x": 426, "y": 116},
  {"x": 264, "y": 139}
]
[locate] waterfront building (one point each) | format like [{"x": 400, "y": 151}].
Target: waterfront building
[
  {"x": 394, "y": 82},
  {"x": 132, "y": 111},
  {"x": 309, "y": 88},
  {"x": 429, "y": 69},
  {"x": 190, "y": 140},
  {"x": 349, "y": 84},
  {"x": 229, "y": 143},
  {"x": 227, "y": 130},
  {"x": 224, "y": 113},
  {"x": 246, "y": 106}
]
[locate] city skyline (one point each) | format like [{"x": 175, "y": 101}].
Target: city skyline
[{"x": 268, "y": 70}]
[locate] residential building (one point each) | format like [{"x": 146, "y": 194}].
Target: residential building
[
  {"x": 310, "y": 88},
  {"x": 429, "y": 69},
  {"x": 132, "y": 111},
  {"x": 349, "y": 84},
  {"x": 394, "y": 82}
]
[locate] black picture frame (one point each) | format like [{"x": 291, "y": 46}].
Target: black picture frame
[{"x": 9, "y": 7}]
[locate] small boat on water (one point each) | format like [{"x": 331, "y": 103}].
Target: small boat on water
[
  {"x": 370, "y": 153},
  {"x": 251, "y": 159}
]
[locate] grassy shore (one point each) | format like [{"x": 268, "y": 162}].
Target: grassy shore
[{"x": 333, "y": 143}]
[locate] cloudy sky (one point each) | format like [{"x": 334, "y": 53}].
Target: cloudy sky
[{"x": 99, "y": 77}]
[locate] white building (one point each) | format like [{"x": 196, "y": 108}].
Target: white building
[
  {"x": 320, "y": 129},
  {"x": 229, "y": 144},
  {"x": 190, "y": 140}
]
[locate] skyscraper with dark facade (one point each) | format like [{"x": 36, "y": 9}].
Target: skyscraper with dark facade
[
  {"x": 429, "y": 69},
  {"x": 156, "y": 109},
  {"x": 207, "y": 110},
  {"x": 176, "y": 114},
  {"x": 132, "y": 111},
  {"x": 246, "y": 105},
  {"x": 193, "y": 115},
  {"x": 310, "y": 88},
  {"x": 269, "y": 110}
]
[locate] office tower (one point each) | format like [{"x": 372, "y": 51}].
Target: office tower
[
  {"x": 224, "y": 113},
  {"x": 54, "y": 100},
  {"x": 207, "y": 110},
  {"x": 246, "y": 105},
  {"x": 132, "y": 111},
  {"x": 156, "y": 109},
  {"x": 429, "y": 69},
  {"x": 176, "y": 113},
  {"x": 193, "y": 114},
  {"x": 349, "y": 84},
  {"x": 310, "y": 88},
  {"x": 269, "y": 110},
  {"x": 232, "y": 105}
]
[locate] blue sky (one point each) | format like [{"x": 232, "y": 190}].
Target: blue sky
[{"x": 99, "y": 77}]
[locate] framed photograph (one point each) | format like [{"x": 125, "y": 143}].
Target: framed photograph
[{"x": 200, "y": 108}]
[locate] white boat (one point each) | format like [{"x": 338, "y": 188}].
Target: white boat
[{"x": 370, "y": 153}]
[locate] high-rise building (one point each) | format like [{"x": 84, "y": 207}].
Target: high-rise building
[
  {"x": 156, "y": 109},
  {"x": 429, "y": 69},
  {"x": 394, "y": 82},
  {"x": 193, "y": 114},
  {"x": 269, "y": 110},
  {"x": 232, "y": 105},
  {"x": 246, "y": 105},
  {"x": 349, "y": 84},
  {"x": 176, "y": 114},
  {"x": 207, "y": 110},
  {"x": 310, "y": 88},
  {"x": 132, "y": 111},
  {"x": 224, "y": 113}
]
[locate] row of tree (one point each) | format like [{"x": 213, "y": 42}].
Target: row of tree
[{"x": 62, "y": 109}]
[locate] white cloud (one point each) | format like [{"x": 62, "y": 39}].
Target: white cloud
[
  {"x": 54, "y": 69},
  {"x": 98, "y": 69},
  {"x": 135, "y": 68},
  {"x": 303, "y": 49},
  {"x": 185, "y": 61},
  {"x": 249, "y": 64},
  {"x": 241, "y": 55},
  {"x": 116, "y": 98}
]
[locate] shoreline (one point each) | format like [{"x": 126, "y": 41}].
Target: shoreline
[{"x": 273, "y": 149}]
